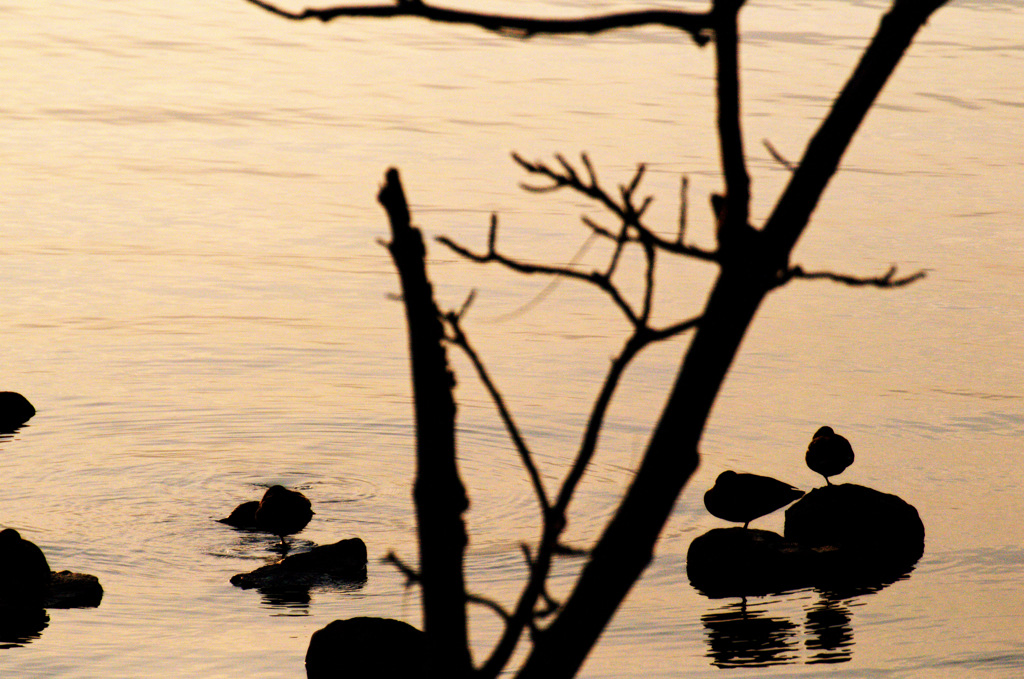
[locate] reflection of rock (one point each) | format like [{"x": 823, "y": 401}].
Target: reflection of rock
[
  {"x": 839, "y": 538},
  {"x": 15, "y": 410},
  {"x": 738, "y": 637},
  {"x": 19, "y": 626},
  {"x": 343, "y": 562},
  {"x": 361, "y": 648}
]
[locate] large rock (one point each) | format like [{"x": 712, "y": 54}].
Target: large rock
[
  {"x": 366, "y": 648},
  {"x": 24, "y": 573},
  {"x": 15, "y": 410},
  {"x": 344, "y": 561},
  {"x": 875, "y": 533},
  {"x": 839, "y": 538}
]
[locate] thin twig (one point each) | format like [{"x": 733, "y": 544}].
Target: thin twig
[
  {"x": 887, "y": 280},
  {"x": 459, "y": 339}
]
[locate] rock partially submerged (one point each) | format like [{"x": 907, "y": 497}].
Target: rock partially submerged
[
  {"x": 73, "y": 590},
  {"x": 341, "y": 562},
  {"x": 27, "y": 583},
  {"x": 15, "y": 410},
  {"x": 844, "y": 537},
  {"x": 366, "y": 648}
]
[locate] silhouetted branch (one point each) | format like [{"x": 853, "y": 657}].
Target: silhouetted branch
[
  {"x": 459, "y": 339},
  {"x": 412, "y": 576},
  {"x": 696, "y": 24},
  {"x": 630, "y": 215},
  {"x": 825, "y": 149},
  {"x": 732, "y": 220},
  {"x": 779, "y": 158},
  {"x": 596, "y": 278},
  {"x": 887, "y": 280},
  {"x": 440, "y": 496}
]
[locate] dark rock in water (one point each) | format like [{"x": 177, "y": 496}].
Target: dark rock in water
[
  {"x": 24, "y": 573},
  {"x": 243, "y": 516},
  {"x": 366, "y": 648},
  {"x": 15, "y": 410},
  {"x": 27, "y": 583},
  {"x": 873, "y": 530},
  {"x": 838, "y": 538},
  {"x": 343, "y": 561},
  {"x": 746, "y": 561},
  {"x": 73, "y": 590}
]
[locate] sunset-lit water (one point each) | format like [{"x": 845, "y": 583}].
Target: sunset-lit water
[{"x": 195, "y": 301}]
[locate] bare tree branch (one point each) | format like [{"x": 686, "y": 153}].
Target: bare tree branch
[
  {"x": 458, "y": 338},
  {"x": 779, "y": 158},
  {"x": 569, "y": 178},
  {"x": 440, "y": 495},
  {"x": 696, "y": 24},
  {"x": 887, "y": 280},
  {"x": 734, "y": 218}
]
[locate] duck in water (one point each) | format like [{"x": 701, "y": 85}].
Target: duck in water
[
  {"x": 745, "y": 497},
  {"x": 281, "y": 512},
  {"x": 829, "y": 453}
]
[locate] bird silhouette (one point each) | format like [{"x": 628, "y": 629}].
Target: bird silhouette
[
  {"x": 829, "y": 453},
  {"x": 282, "y": 512},
  {"x": 745, "y": 497}
]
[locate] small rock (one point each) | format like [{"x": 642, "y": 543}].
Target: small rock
[
  {"x": 15, "y": 410},
  {"x": 366, "y": 648},
  {"x": 342, "y": 561}
]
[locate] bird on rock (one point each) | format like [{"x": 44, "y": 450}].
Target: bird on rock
[
  {"x": 283, "y": 512},
  {"x": 745, "y": 497},
  {"x": 829, "y": 453}
]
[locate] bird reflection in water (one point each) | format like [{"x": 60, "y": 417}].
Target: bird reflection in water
[
  {"x": 740, "y": 635},
  {"x": 829, "y": 631}
]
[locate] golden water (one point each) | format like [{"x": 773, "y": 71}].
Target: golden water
[{"x": 194, "y": 299}]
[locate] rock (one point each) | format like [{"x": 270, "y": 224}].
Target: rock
[
  {"x": 24, "y": 573},
  {"x": 746, "y": 561},
  {"x": 343, "y": 561},
  {"x": 874, "y": 531},
  {"x": 73, "y": 590},
  {"x": 837, "y": 538},
  {"x": 366, "y": 648},
  {"x": 27, "y": 583},
  {"x": 15, "y": 410}
]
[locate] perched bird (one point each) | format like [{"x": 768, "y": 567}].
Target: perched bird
[
  {"x": 829, "y": 453},
  {"x": 745, "y": 497},
  {"x": 283, "y": 512}
]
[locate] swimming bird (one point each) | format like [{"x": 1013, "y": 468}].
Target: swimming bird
[
  {"x": 283, "y": 512},
  {"x": 745, "y": 497},
  {"x": 829, "y": 453}
]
